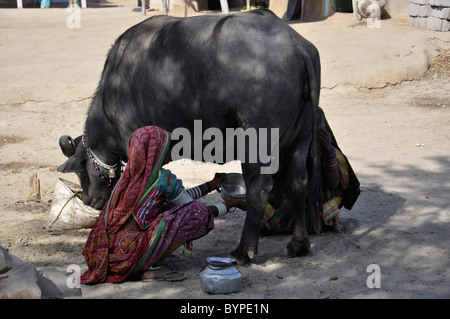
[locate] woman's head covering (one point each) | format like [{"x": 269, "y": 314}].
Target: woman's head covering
[{"x": 147, "y": 149}]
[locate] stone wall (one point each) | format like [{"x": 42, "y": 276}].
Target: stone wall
[{"x": 430, "y": 14}]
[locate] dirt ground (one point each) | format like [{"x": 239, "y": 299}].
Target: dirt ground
[{"x": 389, "y": 114}]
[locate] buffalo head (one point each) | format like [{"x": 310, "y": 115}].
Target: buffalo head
[{"x": 96, "y": 178}]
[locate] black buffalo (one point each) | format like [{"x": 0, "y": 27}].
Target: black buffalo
[{"x": 239, "y": 70}]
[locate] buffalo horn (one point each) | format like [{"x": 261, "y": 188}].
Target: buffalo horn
[{"x": 67, "y": 145}]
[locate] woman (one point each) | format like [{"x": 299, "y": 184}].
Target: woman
[
  {"x": 340, "y": 188},
  {"x": 147, "y": 217}
]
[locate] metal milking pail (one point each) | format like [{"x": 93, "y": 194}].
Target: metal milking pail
[{"x": 220, "y": 276}]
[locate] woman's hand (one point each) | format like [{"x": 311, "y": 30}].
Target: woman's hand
[
  {"x": 241, "y": 204},
  {"x": 217, "y": 181}
]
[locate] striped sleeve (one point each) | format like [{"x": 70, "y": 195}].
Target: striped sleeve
[
  {"x": 199, "y": 191},
  {"x": 195, "y": 192}
]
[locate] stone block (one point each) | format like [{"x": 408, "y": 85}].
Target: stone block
[
  {"x": 20, "y": 283},
  {"x": 413, "y": 9},
  {"x": 20, "y": 280},
  {"x": 49, "y": 290},
  {"x": 7, "y": 261},
  {"x": 422, "y": 23},
  {"x": 434, "y": 24},
  {"x": 441, "y": 13},
  {"x": 418, "y": 22},
  {"x": 425, "y": 11},
  {"x": 439, "y": 3}
]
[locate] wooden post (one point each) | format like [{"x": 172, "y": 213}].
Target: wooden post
[
  {"x": 185, "y": 8},
  {"x": 34, "y": 189}
]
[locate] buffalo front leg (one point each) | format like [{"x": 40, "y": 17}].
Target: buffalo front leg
[{"x": 258, "y": 187}]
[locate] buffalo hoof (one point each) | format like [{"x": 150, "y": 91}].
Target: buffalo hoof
[
  {"x": 243, "y": 257},
  {"x": 298, "y": 248}
]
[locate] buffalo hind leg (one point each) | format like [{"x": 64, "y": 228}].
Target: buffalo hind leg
[
  {"x": 258, "y": 187},
  {"x": 297, "y": 178},
  {"x": 299, "y": 244}
]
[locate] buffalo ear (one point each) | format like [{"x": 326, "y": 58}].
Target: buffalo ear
[{"x": 75, "y": 163}]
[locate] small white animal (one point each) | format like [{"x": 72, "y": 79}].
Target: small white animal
[{"x": 367, "y": 8}]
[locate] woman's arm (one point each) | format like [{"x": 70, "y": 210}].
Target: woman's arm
[
  {"x": 332, "y": 175},
  {"x": 199, "y": 191},
  {"x": 194, "y": 193},
  {"x": 206, "y": 188}
]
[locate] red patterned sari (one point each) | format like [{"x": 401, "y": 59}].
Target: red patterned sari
[{"x": 113, "y": 253}]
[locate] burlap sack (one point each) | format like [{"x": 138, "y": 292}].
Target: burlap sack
[{"x": 68, "y": 211}]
